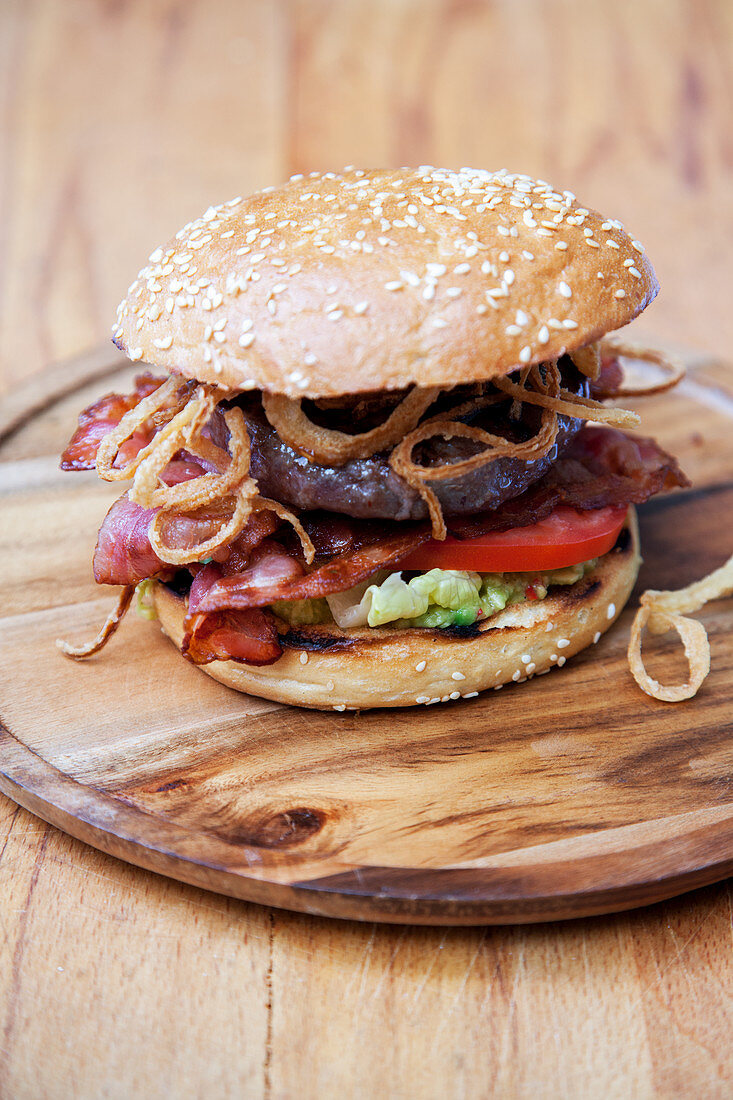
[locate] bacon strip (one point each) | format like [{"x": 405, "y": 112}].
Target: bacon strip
[
  {"x": 242, "y": 590},
  {"x": 602, "y": 467},
  {"x": 100, "y": 418},
  {"x": 245, "y": 636}
]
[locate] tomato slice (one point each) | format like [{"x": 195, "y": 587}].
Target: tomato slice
[{"x": 565, "y": 537}]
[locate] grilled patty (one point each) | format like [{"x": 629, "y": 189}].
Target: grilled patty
[{"x": 368, "y": 488}]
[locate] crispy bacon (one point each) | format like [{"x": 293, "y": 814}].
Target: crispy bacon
[
  {"x": 242, "y": 590},
  {"x": 100, "y": 418},
  {"x": 123, "y": 554},
  {"x": 602, "y": 467},
  {"x": 248, "y": 637}
]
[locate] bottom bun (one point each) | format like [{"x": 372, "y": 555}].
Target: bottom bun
[{"x": 332, "y": 669}]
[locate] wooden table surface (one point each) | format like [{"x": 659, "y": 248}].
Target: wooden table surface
[{"x": 122, "y": 120}]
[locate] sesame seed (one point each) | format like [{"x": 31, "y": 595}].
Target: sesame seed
[
  {"x": 543, "y": 335},
  {"x": 611, "y": 611},
  {"x": 562, "y": 643},
  {"x": 395, "y": 284},
  {"x": 457, "y": 676},
  {"x": 508, "y": 276},
  {"x": 525, "y": 354},
  {"x": 530, "y": 668},
  {"x": 423, "y": 699},
  {"x": 513, "y": 330},
  {"x": 516, "y": 675},
  {"x": 619, "y": 293},
  {"x": 525, "y": 658},
  {"x": 361, "y": 307},
  {"x": 569, "y": 323},
  {"x": 527, "y": 255},
  {"x": 561, "y": 246},
  {"x": 340, "y": 706},
  {"x": 461, "y": 269},
  {"x": 420, "y": 667},
  {"x": 504, "y": 257},
  {"x": 246, "y": 339},
  {"x": 611, "y": 243},
  {"x": 453, "y": 291},
  {"x": 521, "y": 317},
  {"x": 596, "y": 637},
  {"x": 635, "y": 272},
  {"x": 550, "y": 626},
  {"x": 564, "y": 289},
  {"x": 454, "y": 695},
  {"x": 135, "y": 354},
  {"x": 335, "y": 314},
  {"x": 436, "y": 269},
  {"x": 560, "y": 662},
  {"x": 473, "y": 694}
]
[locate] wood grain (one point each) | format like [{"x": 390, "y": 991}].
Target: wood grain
[
  {"x": 118, "y": 122},
  {"x": 537, "y": 804}
]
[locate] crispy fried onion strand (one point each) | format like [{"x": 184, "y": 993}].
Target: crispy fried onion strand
[
  {"x": 264, "y": 504},
  {"x": 173, "y": 396},
  {"x": 226, "y": 499},
  {"x": 663, "y": 611},
  {"x": 588, "y": 359},
  {"x": 446, "y": 426},
  {"x": 569, "y": 404},
  {"x": 331, "y": 448},
  {"x": 147, "y": 490},
  {"x": 670, "y": 363},
  {"x": 231, "y": 492},
  {"x": 115, "y": 617}
]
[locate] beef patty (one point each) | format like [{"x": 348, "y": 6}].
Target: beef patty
[{"x": 368, "y": 488}]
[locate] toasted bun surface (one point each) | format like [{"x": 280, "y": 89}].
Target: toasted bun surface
[
  {"x": 343, "y": 283},
  {"x": 328, "y": 668}
]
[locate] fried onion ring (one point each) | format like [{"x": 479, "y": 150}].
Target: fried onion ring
[
  {"x": 447, "y": 426},
  {"x": 241, "y": 508},
  {"x": 327, "y": 447},
  {"x": 671, "y": 363},
  {"x": 697, "y": 651},
  {"x": 113, "y": 620},
  {"x": 264, "y": 504},
  {"x": 663, "y": 611},
  {"x": 569, "y": 404},
  {"x": 148, "y": 492},
  {"x": 145, "y": 410}
]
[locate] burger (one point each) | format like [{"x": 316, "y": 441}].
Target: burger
[{"x": 372, "y": 461}]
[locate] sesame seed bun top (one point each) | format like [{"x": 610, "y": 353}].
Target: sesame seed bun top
[{"x": 366, "y": 280}]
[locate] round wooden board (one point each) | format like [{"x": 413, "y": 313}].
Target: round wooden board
[{"x": 565, "y": 796}]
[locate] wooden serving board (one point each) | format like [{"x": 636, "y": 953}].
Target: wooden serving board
[{"x": 569, "y": 795}]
